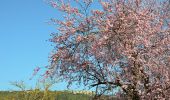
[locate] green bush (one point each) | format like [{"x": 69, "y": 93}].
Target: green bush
[{"x": 39, "y": 93}]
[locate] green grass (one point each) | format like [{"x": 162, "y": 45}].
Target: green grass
[
  {"x": 42, "y": 95},
  {"x": 42, "y": 92}
]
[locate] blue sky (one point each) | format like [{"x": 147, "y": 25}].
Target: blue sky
[
  {"x": 24, "y": 45},
  {"x": 24, "y": 32}
]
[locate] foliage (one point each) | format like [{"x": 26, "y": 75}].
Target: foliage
[
  {"x": 39, "y": 95},
  {"x": 40, "y": 92},
  {"x": 123, "y": 44}
]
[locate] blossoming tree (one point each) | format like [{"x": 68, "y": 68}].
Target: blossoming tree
[{"x": 124, "y": 44}]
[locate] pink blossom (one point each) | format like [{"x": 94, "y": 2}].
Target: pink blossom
[{"x": 79, "y": 38}]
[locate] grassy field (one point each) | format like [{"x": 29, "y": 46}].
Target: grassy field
[
  {"x": 43, "y": 92},
  {"x": 43, "y": 95}
]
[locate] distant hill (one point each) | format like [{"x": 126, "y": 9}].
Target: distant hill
[{"x": 51, "y": 95}]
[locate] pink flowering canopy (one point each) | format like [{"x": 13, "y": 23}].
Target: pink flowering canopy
[{"x": 123, "y": 44}]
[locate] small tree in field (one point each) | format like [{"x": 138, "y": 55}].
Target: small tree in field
[{"x": 124, "y": 44}]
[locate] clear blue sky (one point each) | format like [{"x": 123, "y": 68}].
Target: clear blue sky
[
  {"x": 24, "y": 32},
  {"x": 23, "y": 35}
]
